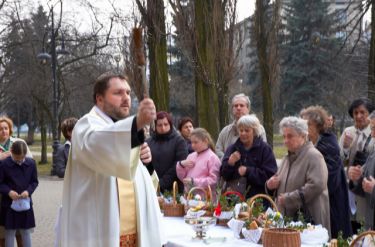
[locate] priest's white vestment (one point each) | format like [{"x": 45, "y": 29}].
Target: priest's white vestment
[{"x": 101, "y": 151}]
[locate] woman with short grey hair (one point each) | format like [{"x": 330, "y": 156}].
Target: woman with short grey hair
[
  {"x": 301, "y": 182},
  {"x": 250, "y": 121},
  {"x": 249, "y": 162},
  {"x": 298, "y": 124}
]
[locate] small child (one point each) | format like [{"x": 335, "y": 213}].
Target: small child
[
  {"x": 18, "y": 180},
  {"x": 201, "y": 168}
]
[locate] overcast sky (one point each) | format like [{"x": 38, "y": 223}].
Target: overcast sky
[{"x": 73, "y": 8}]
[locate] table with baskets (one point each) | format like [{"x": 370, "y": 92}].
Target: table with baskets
[
  {"x": 208, "y": 230},
  {"x": 184, "y": 227},
  {"x": 180, "y": 234}
]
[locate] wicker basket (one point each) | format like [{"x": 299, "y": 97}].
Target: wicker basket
[
  {"x": 361, "y": 236},
  {"x": 174, "y": 209},
  {"x": 281, "y": 237},
  {"x": 207, "y": 197},
  {"x": 251, "y": 201},
  {"x": 224, "y": 222}
]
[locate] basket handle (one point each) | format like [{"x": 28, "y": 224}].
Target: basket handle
[
  {"x": 360, "y": 236},
  {"x": 208, "y": 194},
  {"x": 227, "y": 193},
  {"x": 174, "y": 191},
  {"x": 251, "y": 201}
]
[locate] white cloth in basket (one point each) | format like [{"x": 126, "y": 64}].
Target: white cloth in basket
[
  {"x": 236, "y": 226},
  {"x": 316, "y": 236},
  {"x": 252, "y": 235}
]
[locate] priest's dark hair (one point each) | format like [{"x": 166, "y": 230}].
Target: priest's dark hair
[
  {"x": 101, "y": 83},
  {"x": 19, "y": 148}
]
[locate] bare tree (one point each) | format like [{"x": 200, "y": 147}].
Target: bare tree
[
  {"x": 208, "y": 29},
  {"x": 154, "y": 18},
  {"x": 268, "y": 57}
]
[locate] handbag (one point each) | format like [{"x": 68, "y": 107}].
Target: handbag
[
  {"x": 238, "y": 184},
  {"x": 20, "y": 205},
  {"x": 304, "y": 211}
]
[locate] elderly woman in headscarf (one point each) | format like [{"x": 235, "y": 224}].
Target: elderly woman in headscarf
[
  {"x": 301, "y": 182},
  {"x": 326, "y": 142}
]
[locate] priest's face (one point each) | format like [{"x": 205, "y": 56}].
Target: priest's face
[{"x": 116, "y": 100}]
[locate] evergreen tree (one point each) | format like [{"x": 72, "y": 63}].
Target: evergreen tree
[{"x": 309, "y": 47}]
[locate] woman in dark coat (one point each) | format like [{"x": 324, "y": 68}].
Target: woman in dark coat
[
  {"x": 18, "y": 180},
  {"x": 185, "y": 126},
  {"x": 326, "y": 142},
  {"x": 167, "y": 148},
  {"x": 249, "y": 157}
]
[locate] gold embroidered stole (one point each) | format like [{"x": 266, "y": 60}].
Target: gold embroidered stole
[{"x": 127, "y": 204}]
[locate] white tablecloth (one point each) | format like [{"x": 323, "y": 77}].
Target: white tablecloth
[{"x": 180, "y": 234}]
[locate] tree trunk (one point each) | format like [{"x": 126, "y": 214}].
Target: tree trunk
[
  {"x": 43, "y": 136},
  {"x": 371, "y": 61},
  {"x": 32, "y": 126},
  {"x": 157, "y": 45},
  {"x": 205, "y": 71},
  {"x": 261, "y": 41}
]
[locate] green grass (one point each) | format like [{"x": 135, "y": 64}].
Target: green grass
[
  {"x": 43, "y": 169},
  {"x": 279, "y": 151}
]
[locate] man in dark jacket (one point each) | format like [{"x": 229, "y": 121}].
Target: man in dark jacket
[{"x": 62, "y": 152}]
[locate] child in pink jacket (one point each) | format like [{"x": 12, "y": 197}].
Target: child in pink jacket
[{"x": 201, "y": 168}]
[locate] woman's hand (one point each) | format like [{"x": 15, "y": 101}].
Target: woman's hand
[
  {"x": 24, "y": 194},
  {"x": 242, "y": 170},
  {"x": 145, "y": 153},
  {"x": 281, "y": 200},
  {"x": 187, "y": 163},
  {"x": 368, "y": 184},
  {"x": 234, "y": 157},
  {"x": 355, "y": 173},
  {"x": 13, "y": 195},
  {"x": 4, "y": 155},
  {"x": 273, "y": 183},
  {"x": 187, "y": 180}
]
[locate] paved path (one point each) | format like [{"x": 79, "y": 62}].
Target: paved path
[{"x": 47, "y": 199}]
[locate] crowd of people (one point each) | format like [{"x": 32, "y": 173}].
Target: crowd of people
[
  {"x": 330, "y": 181},
  {"x": 108, "y": 161},
  {"x": 18, "y": 180}
]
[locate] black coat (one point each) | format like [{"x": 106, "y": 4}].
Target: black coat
[
  {"x": 167, "y": 150},
  {"x": 18, "y": 178},
  {"x": 337, "y": 185},
  {"x": 260, "y": 162}
]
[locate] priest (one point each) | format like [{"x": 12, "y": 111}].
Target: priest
[{"x": 108, "y": 196}]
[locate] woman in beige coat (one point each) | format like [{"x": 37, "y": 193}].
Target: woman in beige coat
[{"x": 302, "y": 174}]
